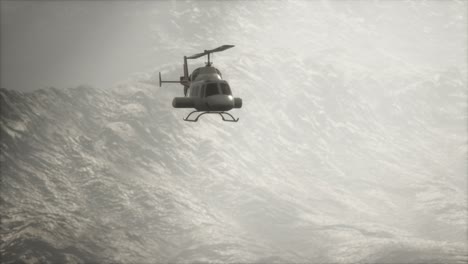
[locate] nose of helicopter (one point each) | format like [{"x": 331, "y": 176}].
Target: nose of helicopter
[{"x": 220, "y": 102}]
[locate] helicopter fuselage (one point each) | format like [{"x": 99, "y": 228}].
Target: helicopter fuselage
[{"x": 207, "y": 91}]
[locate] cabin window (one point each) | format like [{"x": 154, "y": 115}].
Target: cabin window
[
  {"x": 211, "y": 89},
  {"x": 225, "y": 88},
  {"x": 194, "y": 75},
  {"x": 218, "y": 72},
  {"x": 194, "y": 90}
]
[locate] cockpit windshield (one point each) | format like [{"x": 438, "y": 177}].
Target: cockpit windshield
[
  {"x": 225, "y": 88},
  {"x": 214, "y": 89},
  {"x": 211, "y": 89}
]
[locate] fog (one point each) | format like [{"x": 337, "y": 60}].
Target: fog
[
  {"x": 101, "y": 43},
  {"x": 69, "y": 43},
  {"x": 351, "y": 144}
]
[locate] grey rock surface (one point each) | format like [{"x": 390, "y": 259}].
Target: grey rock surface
[{"x": 347, "y": 150}]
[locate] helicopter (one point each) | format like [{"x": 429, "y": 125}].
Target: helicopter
[{"x": 205, "y": 90}]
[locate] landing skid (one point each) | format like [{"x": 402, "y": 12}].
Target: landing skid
[{"x": 200, "y": 113}]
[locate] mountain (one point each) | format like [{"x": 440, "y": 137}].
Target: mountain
[{"x": 346, "y": 151}]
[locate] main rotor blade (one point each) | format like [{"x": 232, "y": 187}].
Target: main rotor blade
[
  {"x": 206, "y": 52},
  {"x": 221, "y": 48},
  {"x": 198, "y": 55}
]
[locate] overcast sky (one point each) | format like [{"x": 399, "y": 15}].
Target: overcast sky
[
  {"x": 101, "y": 43},
  {"x": 69, "y": 43}
]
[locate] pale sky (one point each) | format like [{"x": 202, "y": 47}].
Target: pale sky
[
  {"x": 70, "y": 43},
  {"x": 101, "y": 43}
]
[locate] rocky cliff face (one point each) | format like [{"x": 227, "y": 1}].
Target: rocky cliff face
[{"x": 335, "y": 158}]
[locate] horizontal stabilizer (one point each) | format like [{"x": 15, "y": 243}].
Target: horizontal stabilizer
[{"x": 161, "y": 81}]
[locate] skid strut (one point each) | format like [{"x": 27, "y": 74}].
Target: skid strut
[{"x": 221, "y": 113}]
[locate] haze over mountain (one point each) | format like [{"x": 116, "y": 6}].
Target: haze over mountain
[{"x": 351, "y": 145}]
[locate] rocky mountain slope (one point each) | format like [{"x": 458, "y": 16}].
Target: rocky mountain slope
[{"x": 337, "y": 158}]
